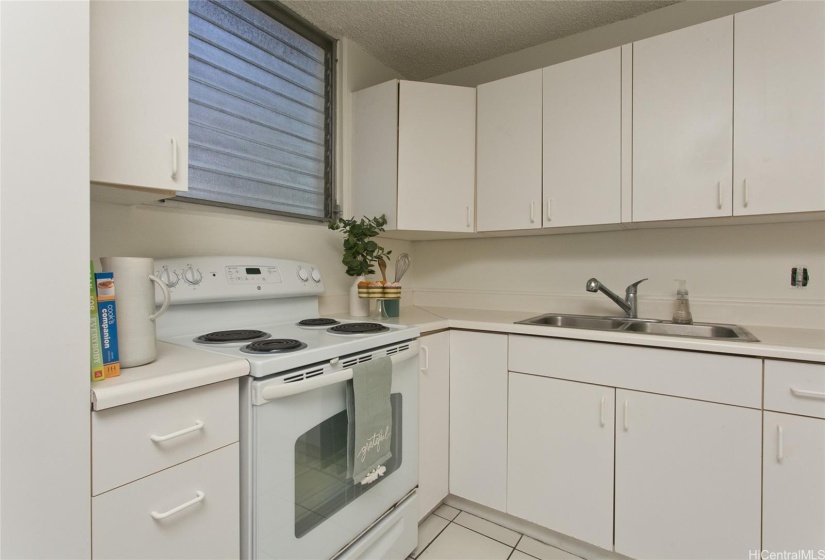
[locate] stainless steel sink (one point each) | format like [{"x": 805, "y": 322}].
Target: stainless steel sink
[
  {"x": 698, "y": 330},
  {"x": 644, "y": 326}
]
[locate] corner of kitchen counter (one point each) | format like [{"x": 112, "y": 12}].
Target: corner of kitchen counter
[
  {"x": 412, "y": 316},
  {"x": 175, "y": 369}
]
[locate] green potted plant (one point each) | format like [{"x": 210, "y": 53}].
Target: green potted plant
[{"x": 360, "y": 254}]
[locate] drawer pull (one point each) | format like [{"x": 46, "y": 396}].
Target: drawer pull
[
  {"x": 426, "y": 353},
  {"x": 173, "y": 511},
  {"x": 601, "y": 413},
  {"x": 198, "y": 426},
  {"x": 807, "y": 394}
]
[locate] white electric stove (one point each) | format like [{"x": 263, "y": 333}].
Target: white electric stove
[{"x": 296, "y": 501}]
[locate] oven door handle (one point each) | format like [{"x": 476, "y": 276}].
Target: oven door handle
[{"x": 273, "y": 392}]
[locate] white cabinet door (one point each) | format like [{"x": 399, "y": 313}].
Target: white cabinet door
[
  {"x": 779, "y": 69},
  {"x": 145, "y": 519},
  {"x": 508, "y": 187},
  {"x": 436, "y": 157},
  {"x": 582, "y": 140},
  {"x": 683, "y": 123},
  {"x": 139, "y": 88},
  {"x": 478, "y": 417},
  {"x": 560, "y": 456},
  {"x": 434, "y": 422},
  {"x": 687, "y": 478},
  {"x": 793, "y": 516}
]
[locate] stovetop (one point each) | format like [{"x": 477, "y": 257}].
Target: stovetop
[
  {"x": 321, "y": 345},
  {"x": 271, "y": 295}
]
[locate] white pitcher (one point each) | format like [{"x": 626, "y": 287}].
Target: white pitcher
[{"x": 135, "y": 307}]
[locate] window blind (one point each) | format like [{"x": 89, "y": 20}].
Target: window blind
[{"x": 259, "y": 112}]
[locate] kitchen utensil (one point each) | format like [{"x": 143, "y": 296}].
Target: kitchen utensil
[
  {"x": 135, "y": 307},
  {"x": 382, "y": 264},
  {"x": 402, "y": 263}
]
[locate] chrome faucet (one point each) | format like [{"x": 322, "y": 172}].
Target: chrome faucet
[{"x": 628, "y": 304}]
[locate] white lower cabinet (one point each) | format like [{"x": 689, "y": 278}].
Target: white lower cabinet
[
  {"x": 478, "y": 417},
  {"x": 793, "y": 501},
  {"x": 165, "y": 476},
  {"x": 434, "y": 422},
  {"x": 560, "y": 456},
  {"x": 188, "y": 511},
  {"x": 687, "y": 478}
]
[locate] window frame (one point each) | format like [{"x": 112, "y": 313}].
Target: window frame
[{"x": 283, "y": 15}]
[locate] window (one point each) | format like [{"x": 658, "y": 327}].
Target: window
[{"x": 260, "y": 109}]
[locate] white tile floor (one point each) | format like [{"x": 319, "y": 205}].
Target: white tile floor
[{"x": 451, "y": 534}]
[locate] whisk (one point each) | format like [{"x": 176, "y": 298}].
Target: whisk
[{"x": 402, "y": 263}]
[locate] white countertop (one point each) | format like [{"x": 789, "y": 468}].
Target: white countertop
[
  {"x": 175, "y": 369},
  {"x": 178, "y": 368},
  {"x": 782, "y": 343}
]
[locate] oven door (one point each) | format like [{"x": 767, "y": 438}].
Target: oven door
[{"x": 302, "y": 503}]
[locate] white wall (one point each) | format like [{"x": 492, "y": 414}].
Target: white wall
[
  {"x": 735, "y": 273},
  {"x": 45, "y": 503},
  {"x": 174, "y": 229}
]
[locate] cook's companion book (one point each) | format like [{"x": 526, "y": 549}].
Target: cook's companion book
[{"x": 107, "y": 317}]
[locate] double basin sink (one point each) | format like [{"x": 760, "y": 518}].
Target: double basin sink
[{"x": 710, "y": 331}]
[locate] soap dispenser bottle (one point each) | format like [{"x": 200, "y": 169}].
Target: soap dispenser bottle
[{"x": 681, "y": 315}]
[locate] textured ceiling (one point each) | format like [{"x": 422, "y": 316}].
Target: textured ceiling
[{"x": 425, "y": 38}]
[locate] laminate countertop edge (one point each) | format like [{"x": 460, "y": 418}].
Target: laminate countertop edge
[{"x": 175, "y": 369}]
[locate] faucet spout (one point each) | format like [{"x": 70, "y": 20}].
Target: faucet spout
[{"x": 628, "y": 304}]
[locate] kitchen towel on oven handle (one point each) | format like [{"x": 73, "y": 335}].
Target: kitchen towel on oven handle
[{"x": 369, "y": 420}]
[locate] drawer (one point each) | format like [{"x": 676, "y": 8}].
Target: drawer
[
  {"x": 124, "y": 526},
  {"x": 694, "y": 375},
  {"x": 795, "y": 387},
  {"x": 136, "y": 440}
]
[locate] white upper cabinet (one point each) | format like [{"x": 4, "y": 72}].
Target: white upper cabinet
[
  {"x": 582, "y": 140},
  {"x": 509, "y": 153},
  {"x": 683, "y": 123},
  {"x": 428, "y": 184},
  {"x": 779, "y": 120},
  {"x": 139, "y": 88}
]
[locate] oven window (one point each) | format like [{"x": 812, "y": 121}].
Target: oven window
[{"x": 321, "y": 484}]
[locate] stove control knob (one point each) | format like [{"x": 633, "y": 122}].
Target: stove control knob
[
  {"x": 303, "y": 274},
  {"x": 192, "y": 276},
  {"x": 316, "y": 276},
  {"x": 169, "y": 277}
]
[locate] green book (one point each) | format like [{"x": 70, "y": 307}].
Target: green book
[{"x": 96, "y": 353}]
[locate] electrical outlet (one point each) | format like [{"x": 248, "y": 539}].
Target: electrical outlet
[{"x": 799, "y": 276}]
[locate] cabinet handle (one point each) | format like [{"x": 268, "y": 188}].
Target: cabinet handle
[
  {"x": 626, "y": 414},
  {"x": 198, "y": 426},
  {"x": 549, "y": 207},
  {"x": 426, "y": 352},
  {"x": 808, "y": 394},
  {"x": 174, "y": 158},
  {"x": 780, "y": 443},
  {"x": 601, "y": 412},
  {"x": 745, "y": 193},
  {"x": 532, "y": 211},
  {"x": 173, "y": 511},
  {"x": 719, "y": 193},
  {"x": 468, "y": 216}
]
